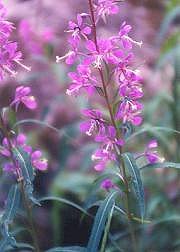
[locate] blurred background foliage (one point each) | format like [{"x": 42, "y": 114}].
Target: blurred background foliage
[{"x": 55, "y": 126}]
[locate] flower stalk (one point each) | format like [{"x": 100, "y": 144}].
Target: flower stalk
[{"x": 123, "y": 170}]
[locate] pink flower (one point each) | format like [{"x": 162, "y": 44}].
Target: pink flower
[
  {"x": 129, "y": 111},
  {"x": 8, "y": 167},
  {"x": 100, "y": 54},
  {"x": 107, "y": 151},
  {"x": 151, "y": 152},
  {"x": 108, "y": 139},
  {"x": 79, "y": 28},
  {"x": 126, "y": 41},
  {"x": 95, "y": 124},
  {"x": 20, "y": 141},
  {"x": 9, "y": 55},
  {"x": 107, "y": 184},
  {"x": 38, "y": 162},
  {"x": 102, "y": 157},
  {"x": 81, "y": 79},
  {"x": 23, "y": 95},
  {"x": 5, "y": 26},
  {"x": 72, "y": 55},
  {"x": 105, "y": 8}
]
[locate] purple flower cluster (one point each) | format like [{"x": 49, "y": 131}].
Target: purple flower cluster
[
  {"x": 9, "y": 55},
  {"x": 20, "y": 141},
  {"x": 104, "y": 67},
  {"x": 22, "y": 95}
]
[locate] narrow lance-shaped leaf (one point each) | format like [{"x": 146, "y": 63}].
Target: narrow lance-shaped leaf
[
  {"x": 106, "y": 231},
  {"x": 11, "y": 207},
  {"x": 68, "y": 249},
  {"x": 12, "y": 204},
  {"x": 161, "y": 165},
  {"x": 100, "y": 221},
  {"x": 24, "y": 161},
  {"x": 130, "y": 163},
  {"x": 20, "y": 246},
  {"x": 65, "y": 201}
]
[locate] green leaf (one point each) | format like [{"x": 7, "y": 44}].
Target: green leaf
[
  {"x": 162, "y": 165},
  {"x": 65, "y": 201},
  {"x": 130, "y": 163},
  {"x": 34, "y": 121},
  {"x": 100, "y": 221},
  {"x": 12, "y": 204},
  {"x": 68, "y": 249},
  {"x": 24, "y": 161},
  {"x": 151, "y": 129},
  {"x": 22, "y": 246},
  {"x": 11, "y": 207},
  {"x": 27, "y": 170},
  {"x": 10, "y": 115},
  {"x": 106, "y": 231}
]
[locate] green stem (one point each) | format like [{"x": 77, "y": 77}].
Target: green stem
[
  {"x": 30, "y": 218},
  {"x": 20, "y": 180},
  {"x": 127, "y": 191}
]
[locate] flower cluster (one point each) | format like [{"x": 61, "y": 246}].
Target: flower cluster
[
  {"x": 104, "y": 66},
  {"x": 9, "y": 55},
  {"x": 22, "y": 95},
  {"x": 20, "y": 142}
]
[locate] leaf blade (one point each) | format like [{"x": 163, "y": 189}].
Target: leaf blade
[
  {"x": 99, "y": 222},
  {"x": 137, "y": 182},
  {"x": 68, "y": 249}
]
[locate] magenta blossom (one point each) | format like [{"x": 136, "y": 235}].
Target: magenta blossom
[
  {"x": 20, "y": 141},
  {"x": 81, "y": 79},
  {"x": 38, "y": 162},
  {"x": 100, "y": 54},
  {"x": 129, "y": 111},
  {"x": 126, "y": 41},
  {"x": 102, "y": 157},
  {"x": 151, "y": 152},
  {"x": 105, "y": 64},
  {"x": 107, "y": 151},
  {"x": 23, "y": 95},
  {"x": 79, "y": 29},
  {"x": 108, "y": 139},
  {"x": 107, "y": 184},
  {"x": 95, "y": 124},
  {"x": 105, "y": 8},
  {"x": 9, "y": 55},
  {"x": 72, "y": 54}
]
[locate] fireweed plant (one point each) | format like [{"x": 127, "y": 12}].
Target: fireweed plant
[
  {"x": 19, "y": 160},
  {"x": 103, "y": 68}
]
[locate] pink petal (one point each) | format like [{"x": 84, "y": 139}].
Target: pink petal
[
  {"x": 29, "y": 102},
  {"x": 40, "y": 164},
  {"x": 153, "y": 144},
  {"x": 36, "y": 154},
  {"x": 87, "y": 30},
  {"x": 137, "y": 120},
  {"x": 21, "y": 139}
]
